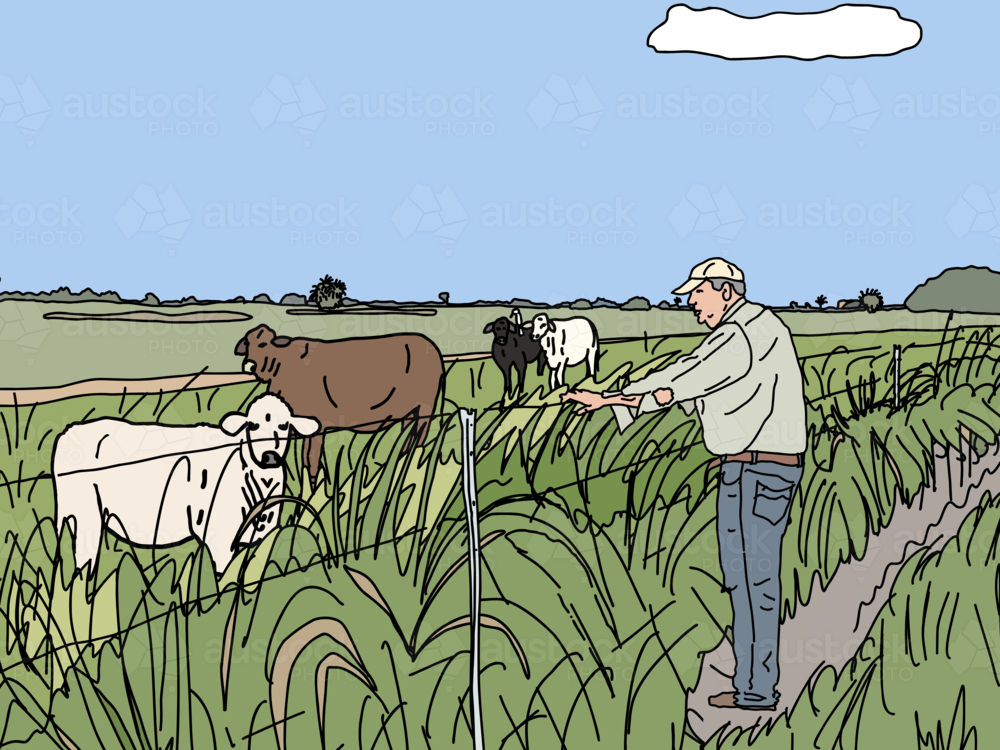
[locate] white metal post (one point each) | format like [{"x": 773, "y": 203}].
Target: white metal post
[
  {"x": 896, "y": 352},
  {"x": 467, "y": 420}
]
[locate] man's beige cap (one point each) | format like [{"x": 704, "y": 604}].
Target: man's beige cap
[{"x": 714, "y": 268}]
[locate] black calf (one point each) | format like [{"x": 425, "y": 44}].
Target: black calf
[{"x": 513, "y": 348}]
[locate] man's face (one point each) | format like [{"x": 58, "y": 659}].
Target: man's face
[{"x": 710, "y": 305}]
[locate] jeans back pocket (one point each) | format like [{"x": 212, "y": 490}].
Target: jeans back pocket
[{"x": 771, "y": 500}]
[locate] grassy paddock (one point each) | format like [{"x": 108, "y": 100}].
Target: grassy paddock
[{"x": 599, "y": 596}]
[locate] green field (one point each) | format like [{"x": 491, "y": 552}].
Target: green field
[
  {"x": 598, "y": 597},
  {"x": 40, "y": 352}
]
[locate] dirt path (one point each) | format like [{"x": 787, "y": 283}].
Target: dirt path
[{"x": 830, "y": 629}]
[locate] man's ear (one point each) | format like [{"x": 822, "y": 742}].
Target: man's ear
[
  {"x": 281, "y": 341},
  {"x": 233, "y": 423},
  {"x": 727, "y": 292},
  {"x": 489, "y": 328}
]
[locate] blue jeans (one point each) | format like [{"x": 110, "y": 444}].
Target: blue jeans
[{"x": 754, "y": 505}]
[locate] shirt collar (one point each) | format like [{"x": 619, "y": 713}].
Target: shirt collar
[{"x": 732, "y": 310}]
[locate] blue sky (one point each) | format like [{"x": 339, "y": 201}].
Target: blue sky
[{"x": 746, "y": 134}]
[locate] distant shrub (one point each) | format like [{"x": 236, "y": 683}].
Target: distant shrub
[
  {"x": 296, "y": 299},
  {"x": 602, "y": 302},
  {"x": 328, "y": 292},
  {"x": 871, "y": 300},
  {"x": 636, "y": 303},
  {"x": 664, "y": 305},
  {"x": 264, "y": 299},
  {"x": 581, "y": 304},
  {"x": 444, "y": 297},
  {"x": 150, "y": 299}
]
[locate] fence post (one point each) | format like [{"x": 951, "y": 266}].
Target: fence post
[
  {"x": 896, "y": 352},
  {"x": 467, "y": 420}
]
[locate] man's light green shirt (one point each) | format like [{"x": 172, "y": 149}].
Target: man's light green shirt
[{"x": 743, "y": 380}]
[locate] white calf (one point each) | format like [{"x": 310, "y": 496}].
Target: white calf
[
  {"x": 565, "y": 343},
  {"x": 157, "y": 486}
]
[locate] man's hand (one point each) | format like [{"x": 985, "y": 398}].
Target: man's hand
[{"x": 591, "y": 401}]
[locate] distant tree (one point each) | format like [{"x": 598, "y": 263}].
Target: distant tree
[
  {"x": 821, "y": 300},
  {"x": 793, "y": 303},
  {"x": 328, "y": 293},
  {"x": 677, "y": 301},
  {"x": 871, "y": 300},
  {"x": 150, "y": 299},
  {"x": 807, "y": 304},
  {"x": 444, "y": 297},
  {"x": 636, "y": 303}
]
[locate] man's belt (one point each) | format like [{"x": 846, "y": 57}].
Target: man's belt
[{"x": 752, "y": 457}]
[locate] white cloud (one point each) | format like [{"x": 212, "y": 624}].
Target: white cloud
[{"x": 844, "y": 31}]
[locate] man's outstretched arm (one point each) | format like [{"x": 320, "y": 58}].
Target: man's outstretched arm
[{"x": 591, "y": 401}]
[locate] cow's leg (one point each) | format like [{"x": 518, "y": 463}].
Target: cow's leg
[
  {"x": 423, "y": 427},
  {"x": 506, "y": 379},
  {"x": 541, "y": 364},
  {"x": 521, "y": 368},
  {"x": 219, "y": 541},
  {"x": 312, "y": 449},
  {"x": 592, "y": 362},
  {"x": 83, "y": 515}
]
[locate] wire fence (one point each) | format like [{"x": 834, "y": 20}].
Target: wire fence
[
  {"x": 241, "y": 587},
  {"x": 410, "y": 419}
]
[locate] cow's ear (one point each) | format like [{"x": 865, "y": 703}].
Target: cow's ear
[
  {"x": 489, "y": 328},
  {"x": 552, "y": 326},
  {"x": 241, "y": 348},
  {"x": 281, "y": 341},
  {"x": 233, "y": 423},
  {"x": 305, "y": 426}
]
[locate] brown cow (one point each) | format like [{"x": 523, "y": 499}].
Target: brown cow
[{"x": 358, "y": 384}]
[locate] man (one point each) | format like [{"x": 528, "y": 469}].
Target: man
[{"x": 745, "y": 384}]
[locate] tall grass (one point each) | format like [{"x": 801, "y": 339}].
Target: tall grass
[{"x": 601, "y": 587}]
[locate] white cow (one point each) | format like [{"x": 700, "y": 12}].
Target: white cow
[
  {"x": 157, "y": 485},
  {"x": 565, "y": 343}
]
